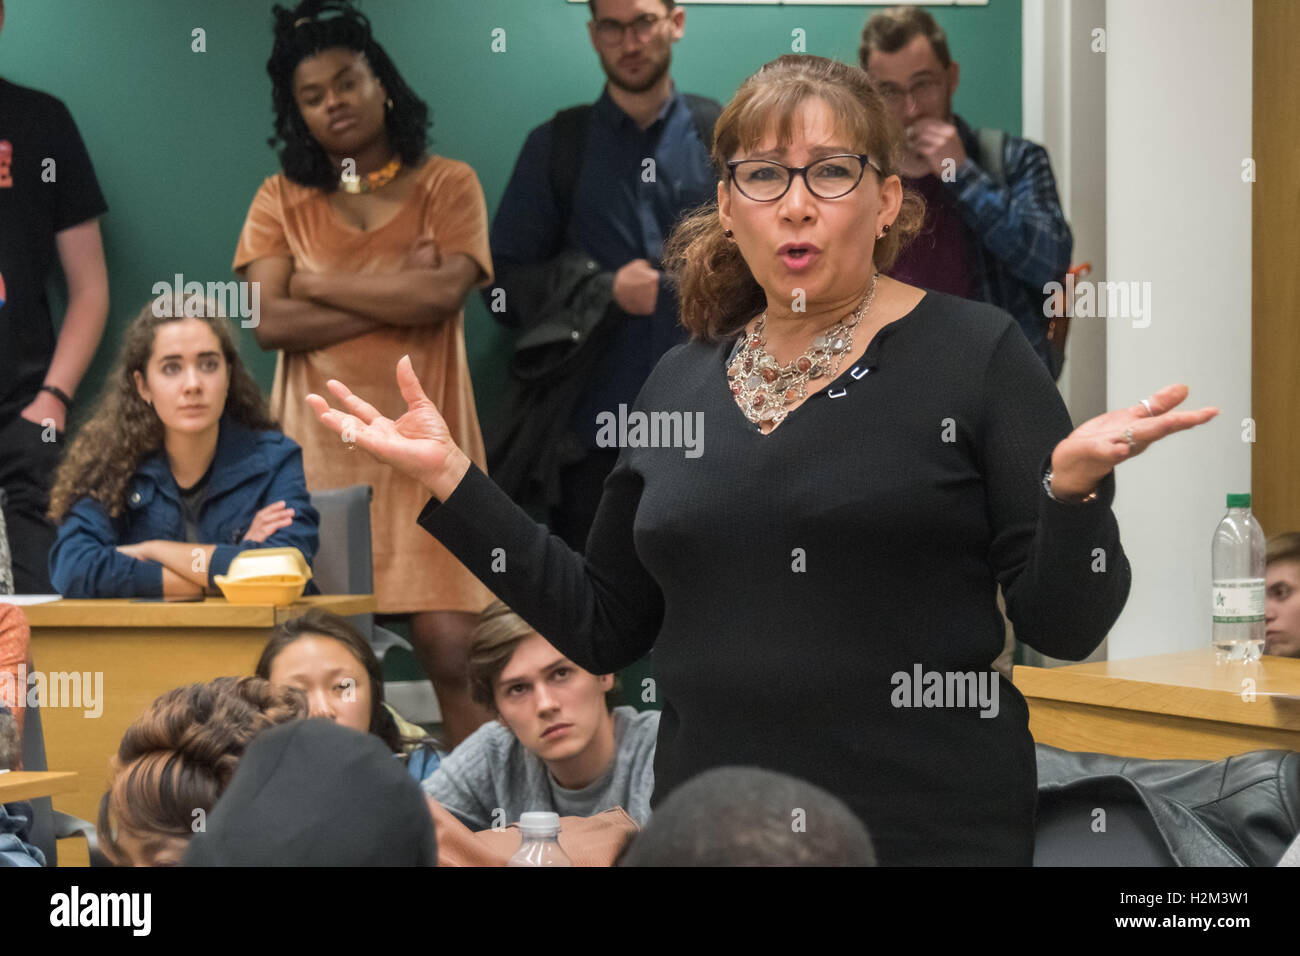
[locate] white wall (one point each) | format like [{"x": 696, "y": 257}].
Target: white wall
[
  {"x": 1178, "y": 125},
  {"x": 1064, "y": 84}
]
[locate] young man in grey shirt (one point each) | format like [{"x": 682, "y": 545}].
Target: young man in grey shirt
[{"x": 556, "y": 744}]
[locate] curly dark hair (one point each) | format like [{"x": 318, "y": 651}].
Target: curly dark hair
[
  {"x": 179, "y": 755},
  {"x": 323, "y": 25},
  {"x": 125, "y": 429}
]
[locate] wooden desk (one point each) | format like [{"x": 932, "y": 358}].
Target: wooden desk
[
  {"x": 142, "y": 650},
  {"x": 28, "y": 785},
  {"x": 1170, "y": 706}
]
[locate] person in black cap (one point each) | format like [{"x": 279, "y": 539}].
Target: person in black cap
[
  {"x": 313, "y": 793},
  {"x": 746, "y": 816}
]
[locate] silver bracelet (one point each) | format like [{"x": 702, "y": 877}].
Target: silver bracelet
[{"x": 1047, "y": 487}]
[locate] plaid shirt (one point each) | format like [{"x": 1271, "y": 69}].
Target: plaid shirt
[{"x": 1023, "y": 240}]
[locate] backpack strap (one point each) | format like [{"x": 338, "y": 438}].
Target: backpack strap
[
  {"x": 568, "y": 140},
  {"x": 992, "y": 145},
  {"x": 704, "y": 114}
]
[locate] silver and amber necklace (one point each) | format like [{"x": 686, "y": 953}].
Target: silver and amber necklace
[
  {"x": 765, "y": 389},
  {"x": 371, "y": 181}
]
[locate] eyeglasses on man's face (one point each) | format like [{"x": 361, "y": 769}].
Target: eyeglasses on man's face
[
  {"x": 922, "y": 91},
  {"x": 610, "y": 32},
  {"x": 830, "y": 177}
]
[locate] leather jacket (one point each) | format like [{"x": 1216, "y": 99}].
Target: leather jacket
[{"x": 1239, "y": 811}]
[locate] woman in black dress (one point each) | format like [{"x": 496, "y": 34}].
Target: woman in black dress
[{"x": 818, "y": 574}]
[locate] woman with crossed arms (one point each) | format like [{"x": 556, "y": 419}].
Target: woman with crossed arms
[{"x": 878, "y": 459}]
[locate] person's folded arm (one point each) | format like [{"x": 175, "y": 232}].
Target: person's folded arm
[
  {"x": 1062, "y": 568},
  {"x": 293, "y": 324},
  {"x": 1020, "y": 223},
  {"x": 185, "y": 560},
  {"x": 85, "y": 563},
  {"x": 410, "y": 297},
  {"x": 288, "y": 484}
]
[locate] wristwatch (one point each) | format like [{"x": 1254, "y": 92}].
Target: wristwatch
[{"x": 1047, "y": 487}]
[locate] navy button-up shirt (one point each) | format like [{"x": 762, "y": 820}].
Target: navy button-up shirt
[{"x": 617, "y": 216}]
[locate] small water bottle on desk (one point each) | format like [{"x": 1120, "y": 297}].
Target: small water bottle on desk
[
  {"x": 1238, "y": 589},
  {"x": 540, "y": 846}
]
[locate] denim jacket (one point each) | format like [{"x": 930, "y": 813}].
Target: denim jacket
[
  {"x": 251, "y": 470},
  {"x": 15, "y": 829}
]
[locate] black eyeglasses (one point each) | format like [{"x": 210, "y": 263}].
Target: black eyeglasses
[
  {"x": 829, "y": 178},
  {"x": 611, "y": 32},
  {"x": 922, "y": 91}
]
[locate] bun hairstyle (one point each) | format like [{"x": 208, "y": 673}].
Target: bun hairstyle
[
  {"x": 718, "y": 292},
  {"x": 179, "y": 755},
  {"x": 304, "y": 31}
]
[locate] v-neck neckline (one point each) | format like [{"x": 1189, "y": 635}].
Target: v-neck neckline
[{"x": 864, "y": 364}]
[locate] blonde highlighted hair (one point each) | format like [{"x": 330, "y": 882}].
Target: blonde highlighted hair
[
  {"x": 718, "y": 291},
  {"x": 1284, "y": 547},
  {"x": 496, "y": 637}
]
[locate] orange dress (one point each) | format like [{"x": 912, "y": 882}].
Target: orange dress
[{"x": 413, "y": 572}]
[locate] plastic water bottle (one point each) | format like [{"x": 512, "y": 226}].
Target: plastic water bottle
[
  {"x": 1238, "y": 590},
  {"x": 540, "y": 846}
]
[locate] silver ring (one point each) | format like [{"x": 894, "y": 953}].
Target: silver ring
[
  {"x": 1128, "y": 436},
  {"x": 1146, "y": 403}
]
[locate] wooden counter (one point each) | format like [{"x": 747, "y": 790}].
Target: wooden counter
[
  {"x": 127, "y": 653},
  {"x": 1183, "y": 705},
  {"x": 28, "y": 785}
]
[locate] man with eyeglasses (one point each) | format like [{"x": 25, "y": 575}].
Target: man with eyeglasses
[
  {"x": 994, "y": 229},
  {"x": 577, "y": 241}
]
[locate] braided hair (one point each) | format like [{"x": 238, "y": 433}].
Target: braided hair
[{"x": 304, "y": 31}]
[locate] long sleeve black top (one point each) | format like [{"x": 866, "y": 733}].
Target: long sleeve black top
[{"x": 786, "y": 580}]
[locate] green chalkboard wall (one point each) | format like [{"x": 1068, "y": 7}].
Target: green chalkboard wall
[{"x": 178, "y": 138}]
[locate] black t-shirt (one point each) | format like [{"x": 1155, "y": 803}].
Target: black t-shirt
[
  {"x": 38, "y": 200},
  {"x": 192, "y": 499}
]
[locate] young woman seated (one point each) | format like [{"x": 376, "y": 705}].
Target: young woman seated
[
  {"x": 178, "y": 471},
  {"x": 329, "y": 660}
]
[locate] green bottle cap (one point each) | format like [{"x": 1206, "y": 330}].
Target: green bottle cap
[{"x": 1238, "y": 501}]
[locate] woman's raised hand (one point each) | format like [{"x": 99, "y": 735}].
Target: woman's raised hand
[
  {"x": 418, "y": 444},
  {"x": 1090, "y": 452}
]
